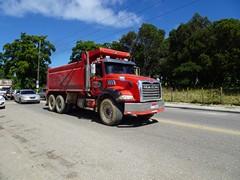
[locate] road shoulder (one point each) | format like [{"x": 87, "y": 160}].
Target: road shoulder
[{"x": 221, "y": 108}]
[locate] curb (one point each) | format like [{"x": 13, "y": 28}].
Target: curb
[{"x": 203, "y": 107}]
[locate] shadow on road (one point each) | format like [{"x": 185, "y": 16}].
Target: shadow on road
[
  {"x": 134, "y": 121},
  {"x": 127, "y": 121}
]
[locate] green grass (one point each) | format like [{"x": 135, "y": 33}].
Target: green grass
[{"x": 202, "y": 96}]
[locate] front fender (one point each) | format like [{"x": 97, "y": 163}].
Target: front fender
[{"x": 110, "y": 92}]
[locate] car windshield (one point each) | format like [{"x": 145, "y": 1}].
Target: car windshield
[
  {"x": 28, "y": 92},
  {"x": 5, "y": 89},
  {"x": 118, "y": 68}
]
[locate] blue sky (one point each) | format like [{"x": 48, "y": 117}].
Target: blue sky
[{"x": 66, "y": 21}]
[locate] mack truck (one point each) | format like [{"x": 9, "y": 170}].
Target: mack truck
[{"x": 107, "y": 82}]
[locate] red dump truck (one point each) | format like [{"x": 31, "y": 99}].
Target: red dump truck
[{"x": 105, "y": 81}]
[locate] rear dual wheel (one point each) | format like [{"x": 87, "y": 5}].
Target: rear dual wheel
[
  {"x": 52, "y": 102},
  {"x": 58, "y": 104}
]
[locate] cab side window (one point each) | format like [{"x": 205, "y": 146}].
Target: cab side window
[{"x": 99, "y": 71}]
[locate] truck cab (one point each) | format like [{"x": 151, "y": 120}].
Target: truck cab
[{"x": 107, "y": 72}]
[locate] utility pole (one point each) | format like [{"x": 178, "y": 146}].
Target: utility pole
[{"x": 39, "y": 48}]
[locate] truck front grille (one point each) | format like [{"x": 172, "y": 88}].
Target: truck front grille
[{"x": 150, "y": 91}]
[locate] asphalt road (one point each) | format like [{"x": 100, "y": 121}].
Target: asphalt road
[{"x": 176, "y": 144}]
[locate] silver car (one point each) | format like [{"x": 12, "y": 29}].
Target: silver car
[
  {"x": 26, "y": 96},
  {"x": 2, "y": 102}
]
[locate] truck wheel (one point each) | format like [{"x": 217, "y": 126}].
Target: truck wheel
[
  {"x": 52, "y": 102},
  {"x": 60, "y": 104},
  {"x": 110, "y": 112},
  {"x": 145, "y": 117}
]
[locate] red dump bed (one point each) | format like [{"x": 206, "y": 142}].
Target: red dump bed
[{"x": 66, "y": 78}]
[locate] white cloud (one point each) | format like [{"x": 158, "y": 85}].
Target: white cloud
[{"x": 91, "y": 11}]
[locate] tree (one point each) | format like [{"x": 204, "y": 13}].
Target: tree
[
  {"x": 225, "y": 52},
  {"x": 150, "y": 46},
  {"x": 21, "y": 59},
  {"x": 114, "y": 45},
  {"x": 83, "y": 46},
  {"x": 128, "y": 42},
  {"x": 211, "y": 47},
  {"x": 186, "y": 44},
  {"x": 187, "y": 73},
  {"x": 2, "y": 59}
]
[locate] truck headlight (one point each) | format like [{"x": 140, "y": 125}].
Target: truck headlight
[{"x": 126, "y": 97}]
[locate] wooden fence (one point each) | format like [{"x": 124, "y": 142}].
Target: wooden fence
[{"x": 202, "y": 96}]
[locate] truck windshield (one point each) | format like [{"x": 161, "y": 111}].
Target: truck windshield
[{"x": 118, "y": 68}]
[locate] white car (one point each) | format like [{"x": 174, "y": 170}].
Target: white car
[
  {"x": 26, "y": 96},
  {"x": 2, "y": 102}
]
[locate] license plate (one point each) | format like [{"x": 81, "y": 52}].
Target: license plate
[{"x": 154, "y": 106}]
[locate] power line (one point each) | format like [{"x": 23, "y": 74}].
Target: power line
[
  {"x": 120, "y": 20},
  {"x": 148, "y": 20},
  {"x": 153, "y": 18},
  {"x": 98, "y": 22}
]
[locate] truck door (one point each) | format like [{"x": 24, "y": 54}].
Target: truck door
[{"x": 97, "y": 81}]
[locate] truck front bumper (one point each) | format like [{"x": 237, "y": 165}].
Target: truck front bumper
[{"x": 144, "y": 108}]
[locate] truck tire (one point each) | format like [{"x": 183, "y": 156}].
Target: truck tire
[
  {"x": 145, "y": 117},
  {"x": 60, "y": 104},
  {"x": 52, "y": 103},
  {"x": 110, "y": 112}
]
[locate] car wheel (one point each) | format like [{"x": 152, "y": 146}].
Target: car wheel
[
  {"x": 52, "y": 103},
  {"x": 110, "y": 112}
]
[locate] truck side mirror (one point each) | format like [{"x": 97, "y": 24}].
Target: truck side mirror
[
  {"x": 93, "y": 69},
  {"x": 136, "y": 70}
]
